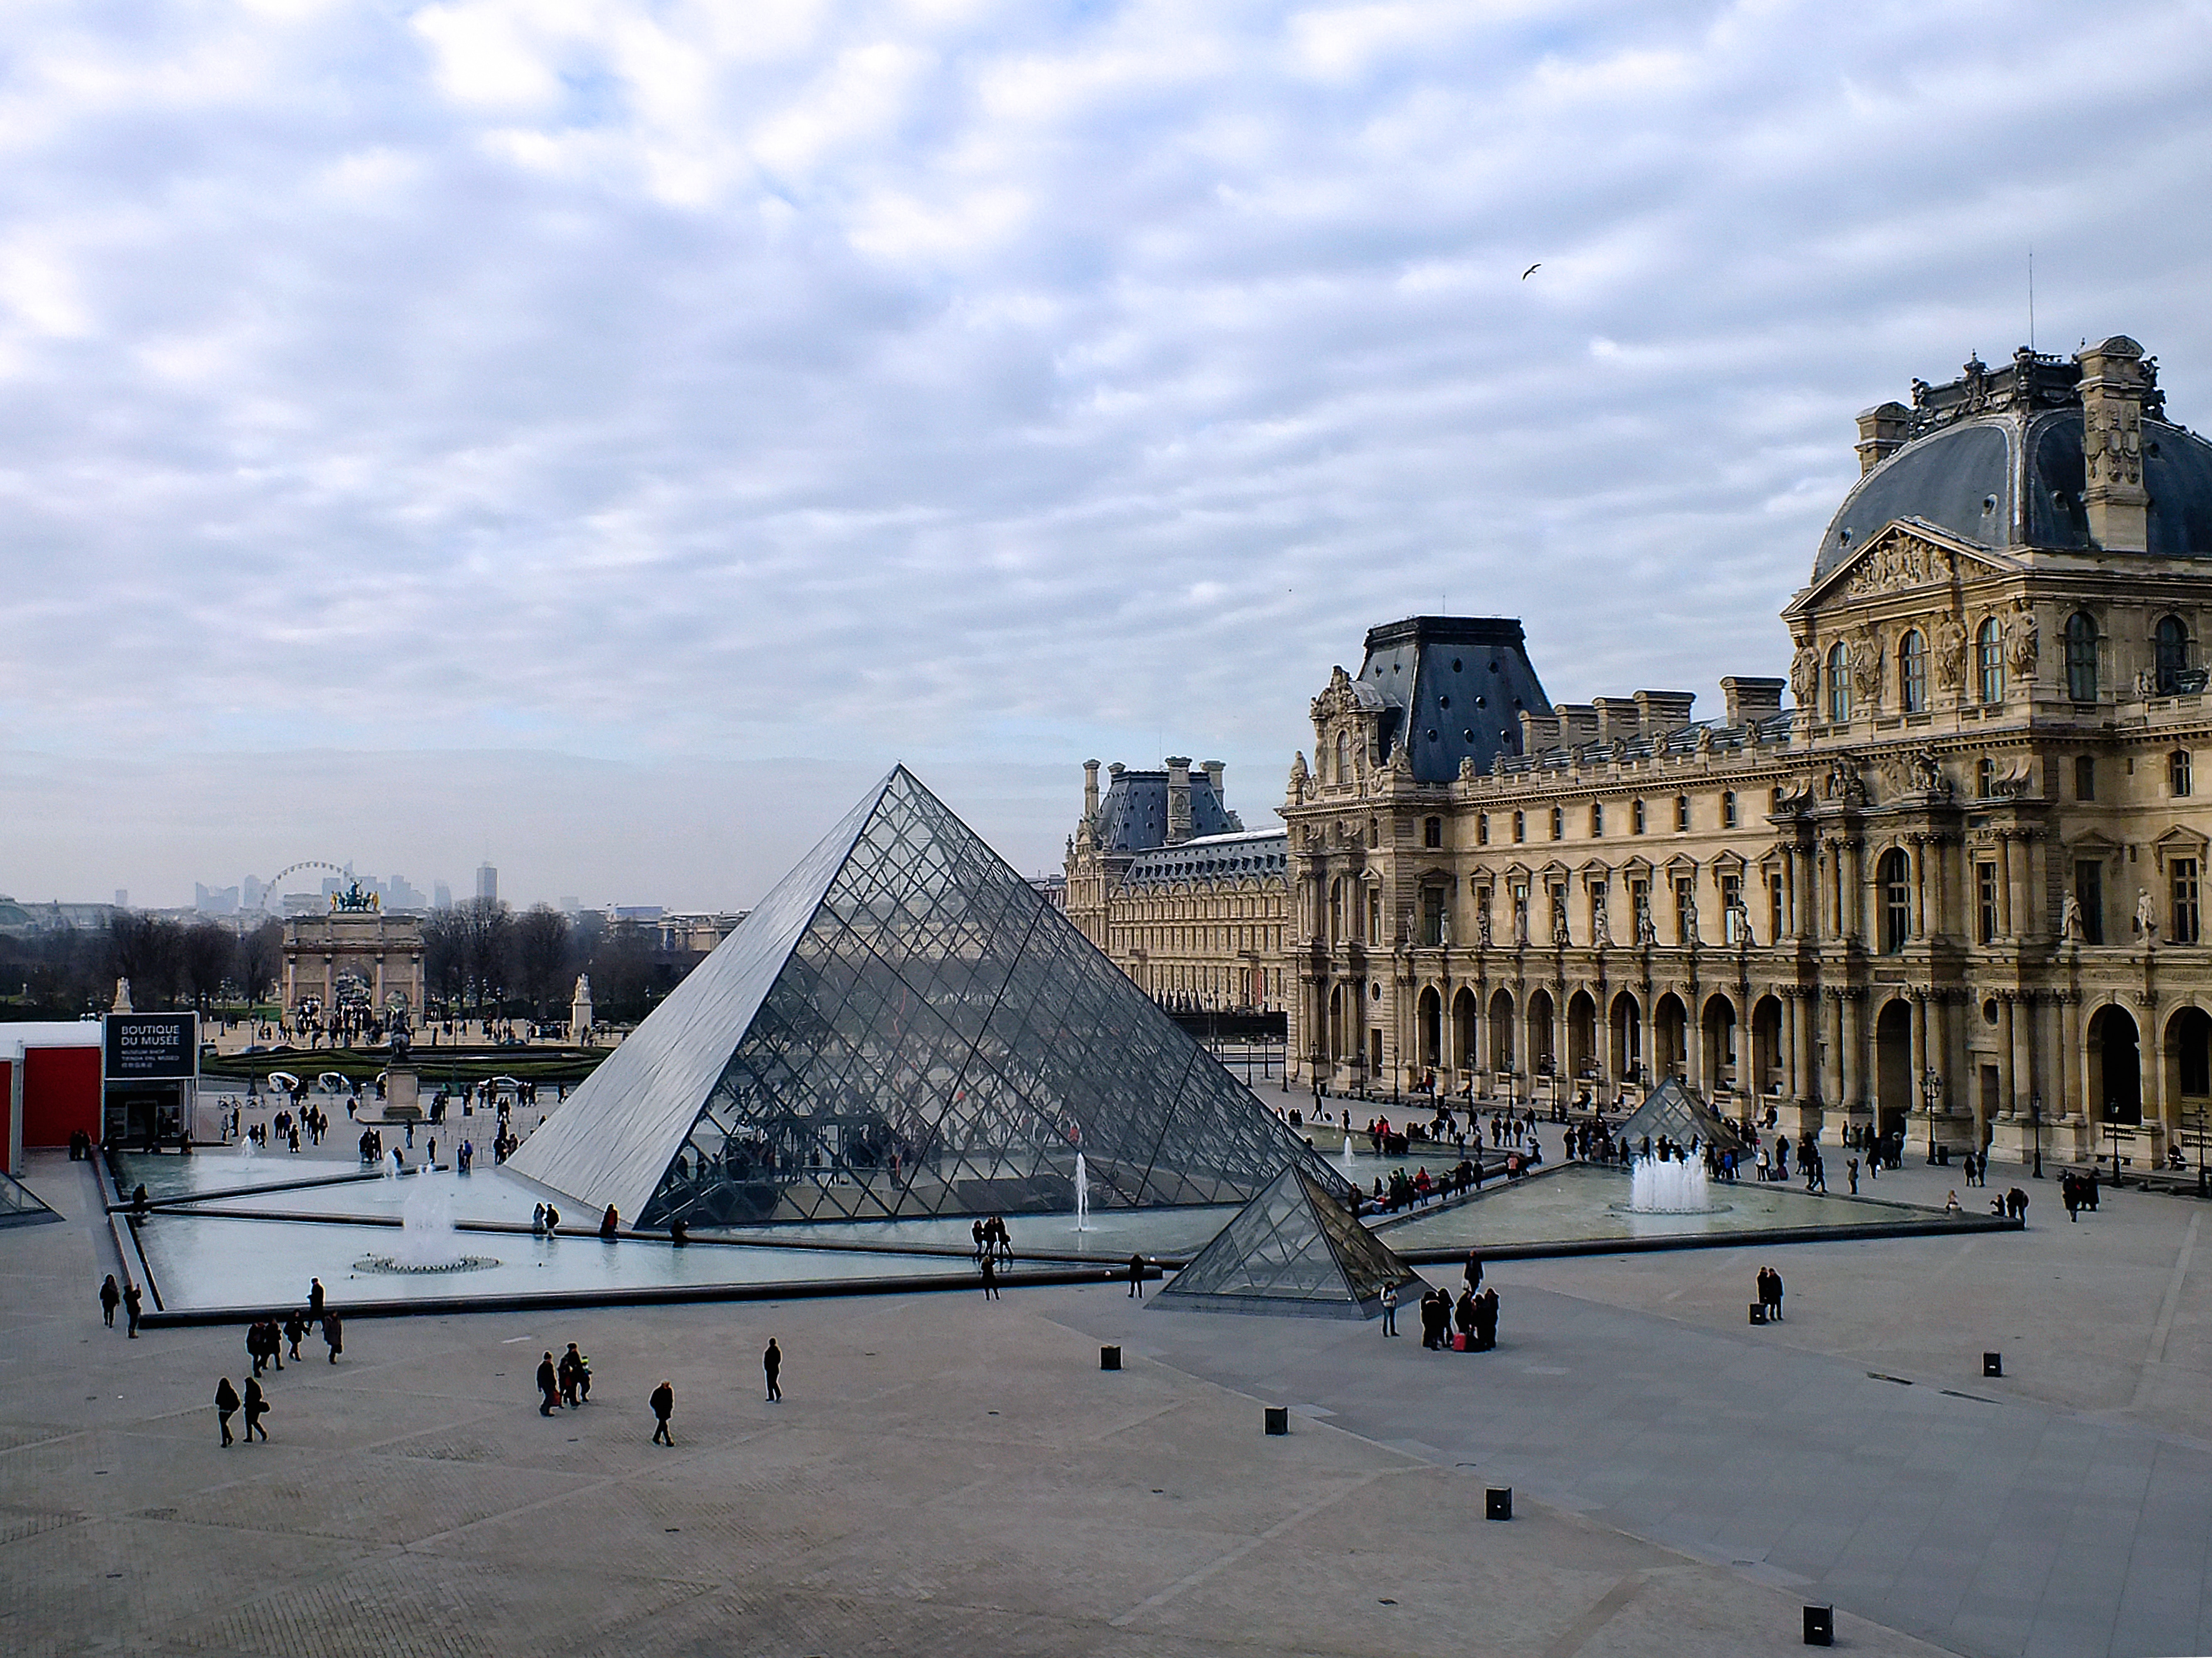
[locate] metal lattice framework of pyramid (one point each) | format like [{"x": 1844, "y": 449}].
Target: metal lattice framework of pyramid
[
  {"x": 1296, "y": 1247},
  {"x": 1674, "y": 1110},
  {"x": 904, "y": 1027}
]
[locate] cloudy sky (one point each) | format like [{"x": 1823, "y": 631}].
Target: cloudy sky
[{"x": 603, "y": 436}]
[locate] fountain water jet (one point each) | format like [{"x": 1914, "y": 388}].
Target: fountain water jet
[
  {"x": 1082, "y": 1195},
  {"x": 427, "y": 1237},
  {"x": 1659, "y": 1186}
]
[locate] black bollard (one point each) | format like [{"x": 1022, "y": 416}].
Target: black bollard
[
  {"x": 1758, "y": 1312},
  {"x": 1109, "y": 1358},
  {"x": 1993, "y": 1364},
  {"x": 1279, "y": 1419},
  {"x": 1819, "y": 1627},
  {"x": 1498, "y": 1503}
]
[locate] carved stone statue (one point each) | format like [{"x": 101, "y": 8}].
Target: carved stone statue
[
  {"x": 1844, "y": 785},
  {"x": 1805, "y": 676},
  {"x": 1559, "y": 934},
  {"x": 1467, "y": 769},
  {"x": 1521, "y": 924},
  {"x": 2146, "y": 917},
  {"x": 1927, "y": 775},
  {"x": 1866, "y": 672},
  {"x": 1704, "y": 740},
  {"x": 1601, "y": 924},
  {"x": 2022, "y": 641},
  {"x": 2070, "y": 919},
  {"x": 122, "y": 997},
  {"x": 1689, "y": 919},
  {"x": 1482, "y": 927},
  {"x": 1739, "y": 913},
  {"x": 1950, "y": 652},
  {"x": 1300, "y": 778},
  {"x": 1647, "y": 934}
]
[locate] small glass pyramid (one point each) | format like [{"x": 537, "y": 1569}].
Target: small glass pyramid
[
  {"x": 1673, "y": 1109},
  {"x": 1297, "y": 1247},
  {"x": 904, "y": 1027}
]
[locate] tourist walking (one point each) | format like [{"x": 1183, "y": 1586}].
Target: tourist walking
[
  {"x": 664, "y": 1406},
  {"x": 333, "y": 1335},
  {"x": 133, "y": 1304},
  {"x": 549, "y": 1386},
  {"x": 294, "y": 1329},
  {"x": 257, "y": 1406},
  {"x": 314, "y": 1298},
  {"x": 772, "y": 1366},
  {"x": 1136, "y": 1277},
  {"x": 111, "y": 1297},
  {"x": 226, "y": 1407}
]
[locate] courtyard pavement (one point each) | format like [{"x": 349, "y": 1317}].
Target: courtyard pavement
[{"x": 958, "y": 1475}]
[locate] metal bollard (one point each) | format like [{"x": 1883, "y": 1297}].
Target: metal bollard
[
  {"x": 1993, "y": 1364},
  {"x": 1279, "y": 1419},
  {"x": 1109, "y": 1358},
  {"x": 1498, "y": 1503},
  {"x": 1819, "y": 1627}
]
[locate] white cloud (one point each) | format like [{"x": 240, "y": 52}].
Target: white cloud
[{"x": 680, "y": 386}]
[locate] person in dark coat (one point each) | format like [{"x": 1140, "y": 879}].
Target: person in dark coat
[
  {"x": 257, "y": 1406},
  {"x": 294, "y": 1329},
  {"x": 549, "y": 1387},
  {"x": 990, "y": 1268},
  {"x": 132, "y": 1306},
  {"x": 111, "y": 1297},
  {"x": 772, "y": 1363},
  {"x": 1137, "y": 1277},
  {"x": 333, "y": 1335},
  {"x": 1463, "y": 1314},
  {"x": 314, "y": 1298},
  {"x": 226, "y": 1407},
  {"x": 609, "y": 1222},
  {"x": 664, "y": 1405},
  {"x": 1486, "y": 1321},
  {"x": 1473, "y": 1271}
]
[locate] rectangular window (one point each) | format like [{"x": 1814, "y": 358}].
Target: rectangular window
[
  {"x": 1520, "y": 827},
  {"x": 1773, "y": 907},
  {"x": 1636, "y": 818},
  {"x": 1732, "y": 906},
  {"x": 2185, "y": 926},
  {"x": 1985, "y": 893},
  {"x": 1597, "y": 821},
  {"x": 1727, "y": 810},
  {"x": 1685, "y": 910},
  {"x": 2177, "y": 773},
  {"x": 1639, "y": 905},
  {"x": 1433, "y": 831},
  {"x": 1432, "y": 915},
  {"x": 1374, "y": 915},
  {"x": 1681, "y": 814},
  {"x": 1482, "y": 829},
  {"x": 1559, "y": 823},
  {"x": 2089, "y": 895},
  {"x": 2085, "y": 777}
]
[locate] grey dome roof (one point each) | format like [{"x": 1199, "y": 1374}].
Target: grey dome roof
[{"x": 2015, "y": 480}]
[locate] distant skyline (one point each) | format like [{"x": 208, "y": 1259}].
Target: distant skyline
[{"x": 602, "y": 439}]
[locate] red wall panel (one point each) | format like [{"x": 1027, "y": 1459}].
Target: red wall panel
[{"x": 61, "y": 1093}]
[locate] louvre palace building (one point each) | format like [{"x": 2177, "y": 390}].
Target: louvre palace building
[{"x": 1955, "y": 888}]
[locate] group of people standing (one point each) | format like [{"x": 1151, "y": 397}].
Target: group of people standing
[{"x": 266, "y": 1342}]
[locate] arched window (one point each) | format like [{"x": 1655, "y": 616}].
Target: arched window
[
  {"x": 1597, "y": 821},
  {"x": 2172, "y": 648},
  {"x": 2082, "y": 657},
  {"x": 1520, "y": 826},
  {"x": 1839, "y": 685},
  {"x": 1912, "y": 672},
  {"x": 1727, "y": 810},
  {"x": 1894, "y": 876},
  {"x": 1681, "y": 814},
  {"x": 1989, "y": 660},
  {"x": 1482, "y": 829},
  {"x": 1636, "y": 818},
  {"x": 1559, "y": 824}
]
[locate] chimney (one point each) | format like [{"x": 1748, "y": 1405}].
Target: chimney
[
  {"x": 1178, "y": 799},
  {"x": 2113, "y": 495},
  {"x": 1539, "y": 732},
  {"x": 1750, "y": 700},
  {"x": 1213, "y": 770},
  {"x": 1578, "y": 722},
  {"x": 1883, "y": 430},
  {"x": 1661, "y": 712},
  {"x": 1618, "y": 719},
  {"x": 1090, "y": 788}
]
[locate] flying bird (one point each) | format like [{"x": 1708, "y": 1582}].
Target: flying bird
[{"x": 1532, "y": 271}]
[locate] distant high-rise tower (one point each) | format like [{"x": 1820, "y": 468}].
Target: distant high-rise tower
[
  {"x": 441, "y": 895},
  {"x": 487, "y": 881}
]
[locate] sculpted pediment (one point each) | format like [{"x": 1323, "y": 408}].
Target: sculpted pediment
[{"x": 1905, "y": 553}]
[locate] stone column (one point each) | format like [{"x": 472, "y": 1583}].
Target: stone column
[
  {"x": 1793, "y": 1005},
  {"x": 2022, "y": 1034},
  {"x": 1832, "y": 1069},
  {"x": 2015, "y": 897},
  {"x": 2007, "y": 1104}
]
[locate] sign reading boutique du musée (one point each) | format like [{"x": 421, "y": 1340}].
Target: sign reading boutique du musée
[{"x": 149, "y": 1064}]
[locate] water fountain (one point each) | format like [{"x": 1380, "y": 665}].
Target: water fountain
[
  {"x": 247, "y": 1149},
  {"x": 428, "y": 1240},
  {"x": 1668, "y": 1186},
  {"x": 1082, "y": 1195}
]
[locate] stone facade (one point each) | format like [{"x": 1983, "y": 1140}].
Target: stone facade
[
  {"x": 356, "y": 946},
  {"x": 1957, "y": 891},
  {"x": 1168, "y": 883}
]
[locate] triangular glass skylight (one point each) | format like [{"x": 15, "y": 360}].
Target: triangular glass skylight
[
  {"x": 1674, "y": 1110},
  {"x": 1295, "y": 1248},
  {"x": 904, "y": 1027}
]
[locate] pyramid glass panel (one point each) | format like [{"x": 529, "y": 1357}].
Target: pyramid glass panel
[
  {"x": 906, "y": 1028},
  {"x": 1295, "y": 1248},
  {"x": 1674, "y": 1110}
]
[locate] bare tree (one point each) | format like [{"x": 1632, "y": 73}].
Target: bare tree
[
  {"x": 260, "y": 954},
  {"x": 209, "y": 950},
  {"x": 150, "y": 953},
  {"x": 541, "y": 955},
  {"x": 489, "y": 933},
  {"x": 446, "y": 956}
]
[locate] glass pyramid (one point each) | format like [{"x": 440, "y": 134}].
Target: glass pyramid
[
  {"x": 1674, "y": 1110},
  {"x": 1297, "y": 1247},
  {"x": 904, "y": 1027}
]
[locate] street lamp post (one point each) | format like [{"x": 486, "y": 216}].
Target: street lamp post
[
  {"x": 1931, "y": 1090},
  {"x": 2035, "y": 1115}
]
